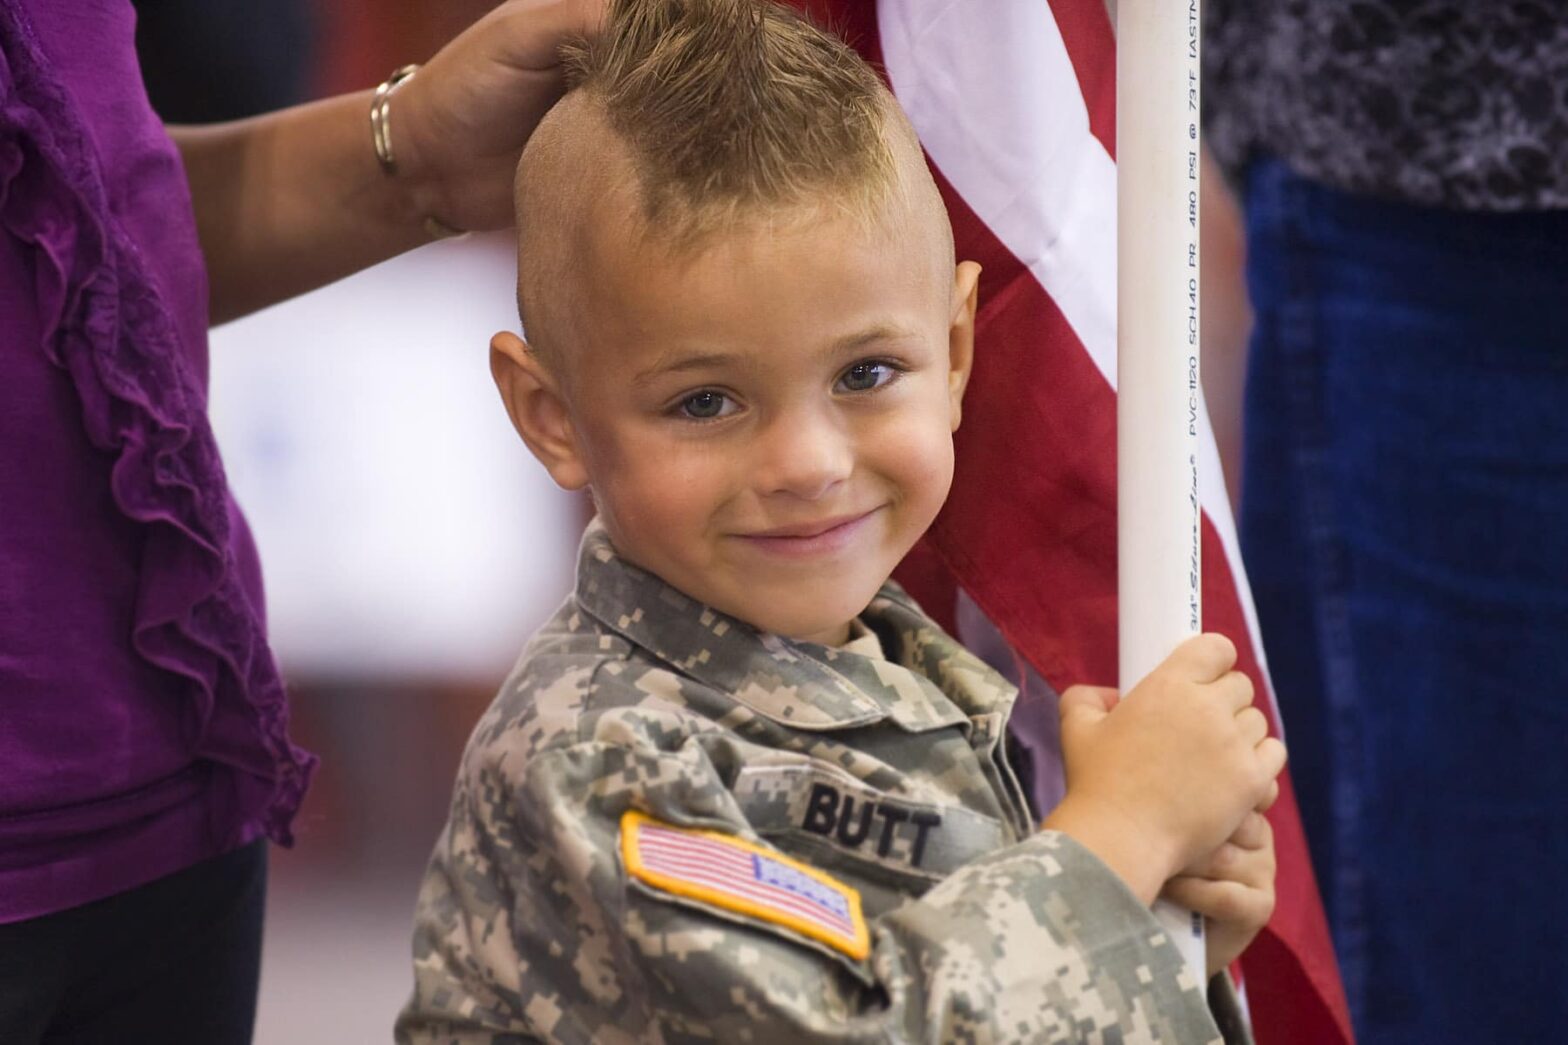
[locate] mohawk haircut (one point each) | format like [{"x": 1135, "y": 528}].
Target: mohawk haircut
[{"x": 731, "y": 106}]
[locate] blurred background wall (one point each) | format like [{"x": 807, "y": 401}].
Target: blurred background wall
[
  {"x": 408, "y": 541},
  {"x": 410, "y": 545}
]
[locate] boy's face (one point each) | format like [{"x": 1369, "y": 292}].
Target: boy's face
[{"x": 767, "y": 424}]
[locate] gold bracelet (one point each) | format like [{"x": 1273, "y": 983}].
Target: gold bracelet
[{"x": 380, "y": 111}]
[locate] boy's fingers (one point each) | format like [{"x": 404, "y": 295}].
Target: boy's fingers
[
  {"x": 1271, "y": 756},
  {"x": 1254, "y": 727},
  {"x": 1222, "y": 865},
  {"x": 1238, "y": 859},
  {"x": 1269, "y": 797},
  {"x": 1254, "y": 832},
  {"x": 1223, "y": 901},
  {"x": 1206, "y": 657},
  {"x": 1237, "y": 687},
  {"x": 1097, "y": 700}
]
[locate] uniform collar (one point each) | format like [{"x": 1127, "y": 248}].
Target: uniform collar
[{"x": 928, "y": 680}]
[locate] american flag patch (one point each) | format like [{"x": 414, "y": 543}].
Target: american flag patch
[{"x": 739, "y": 876}]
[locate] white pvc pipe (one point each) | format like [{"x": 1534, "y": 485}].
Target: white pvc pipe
[{"x": 1158, "y": 400}]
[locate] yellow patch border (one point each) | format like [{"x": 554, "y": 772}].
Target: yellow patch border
[{"x": 857, "y": 948}]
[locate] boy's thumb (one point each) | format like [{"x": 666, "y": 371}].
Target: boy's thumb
[{"x": 1084, "y": 704}]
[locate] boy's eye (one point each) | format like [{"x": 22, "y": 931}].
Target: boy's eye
[
  {"x": 866, "y": 375},
  {"x": 706, "y": 405}
]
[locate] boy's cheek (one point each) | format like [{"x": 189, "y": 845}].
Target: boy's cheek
[
  {"x": 643, "y": 461},
  {"x": 664, "y": 502},
  {"x": 918, "y": 456}
]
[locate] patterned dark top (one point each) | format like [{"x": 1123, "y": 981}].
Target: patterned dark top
[{"x": 1458, "y": 104}]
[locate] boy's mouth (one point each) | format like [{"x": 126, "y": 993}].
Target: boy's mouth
[{"x": 810, "y": 538}]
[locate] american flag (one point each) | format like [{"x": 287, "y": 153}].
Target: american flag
[
  {"x": 1015, "y": 103},
  {"x": 739, "y": 876}
]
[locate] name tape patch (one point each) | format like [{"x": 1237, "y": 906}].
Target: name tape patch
[{"x": 739, "y": 876}]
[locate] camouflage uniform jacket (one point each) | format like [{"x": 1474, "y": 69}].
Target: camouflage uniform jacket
[{"x": 887, "y": 777}]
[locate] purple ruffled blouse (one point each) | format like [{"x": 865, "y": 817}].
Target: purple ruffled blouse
[{"x": 142, "y": 717}]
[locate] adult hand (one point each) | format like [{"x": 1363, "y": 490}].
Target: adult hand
[{"x": 459, "y": 126}]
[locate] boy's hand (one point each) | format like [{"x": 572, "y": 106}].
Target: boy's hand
[
  {"x": 1158, "y": 779},
  {"x": 1233, "y": 888}
]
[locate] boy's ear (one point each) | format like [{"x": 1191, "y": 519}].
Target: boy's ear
[
  {"x": 533, "y": 399},
  {"x": 961, "y": 335}
]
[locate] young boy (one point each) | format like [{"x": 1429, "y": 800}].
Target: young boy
[{"x": 741, "y": 788}]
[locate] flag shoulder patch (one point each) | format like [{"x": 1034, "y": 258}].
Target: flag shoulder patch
[{"x": 745, "y": 879}]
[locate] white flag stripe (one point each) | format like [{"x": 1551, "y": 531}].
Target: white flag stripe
[
  {"x": 1216, "y": 506},
  {"x": 1034, "y": 173},
  {"x": 1025, "y": 162}
]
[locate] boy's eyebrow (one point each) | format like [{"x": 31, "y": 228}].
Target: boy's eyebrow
[
  {"x": 872, "y": 334},
  {"x": 666, "y": 365},
  {"x": 703, "y": 360}
]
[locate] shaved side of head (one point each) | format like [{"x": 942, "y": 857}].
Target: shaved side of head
[{"x": 573, "y": 162}]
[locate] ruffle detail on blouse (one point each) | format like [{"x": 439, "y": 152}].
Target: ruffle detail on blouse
[{"x": 105, "y": 324}]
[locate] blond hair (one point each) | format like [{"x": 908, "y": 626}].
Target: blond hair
[
  {"x": 720, "y": 114},
  {"x": 728, "y": 106}
]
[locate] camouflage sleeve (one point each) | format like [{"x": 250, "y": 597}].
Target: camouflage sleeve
[{"x": 528, "y": 929}]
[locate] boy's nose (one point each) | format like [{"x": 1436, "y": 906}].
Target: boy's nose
[{"x": 804, "y": 456}]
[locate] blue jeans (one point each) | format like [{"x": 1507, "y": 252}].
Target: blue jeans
[{"x": 1405, "y": 528}]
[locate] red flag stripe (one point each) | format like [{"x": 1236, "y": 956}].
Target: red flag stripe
[{"x": 1298, "y": 933}]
